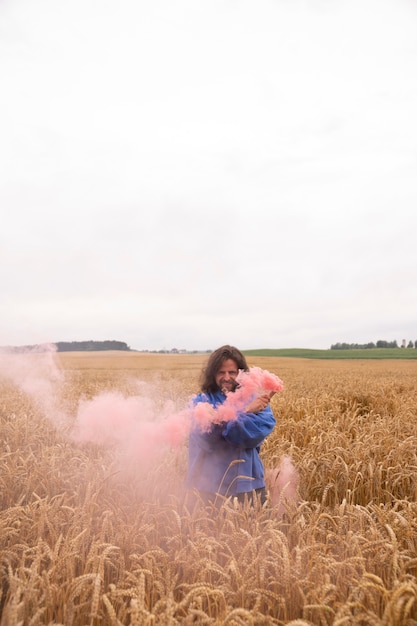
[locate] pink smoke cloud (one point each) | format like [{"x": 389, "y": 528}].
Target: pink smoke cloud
[
  {"x": 283, "y": 483},
  {"x": 35, "y": 372},
  {"x": 132, "y": 425}
]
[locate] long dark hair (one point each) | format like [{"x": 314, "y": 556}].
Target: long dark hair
[{"x": 208, "y": 375}]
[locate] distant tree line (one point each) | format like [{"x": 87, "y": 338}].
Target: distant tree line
[
  {"x": 90, "y": 346},
  {"x": 379, "y": 344}
]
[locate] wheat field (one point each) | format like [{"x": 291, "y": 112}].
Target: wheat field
[{"x": 86, "y": 542}]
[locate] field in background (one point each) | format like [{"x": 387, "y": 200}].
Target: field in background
[
  {"x": 82, "y": 544},
  {"x": 306, "y": 353}
]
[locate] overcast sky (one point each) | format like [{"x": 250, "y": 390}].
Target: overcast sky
[{"x": 197, "y": 172}]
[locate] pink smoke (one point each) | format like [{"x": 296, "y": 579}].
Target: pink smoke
[
  {"x": 33, "y": 370},
  {"x": 257, "y": 380},
  {"x": 132, "y": 425},
  {"x": 283, "y": 482}
]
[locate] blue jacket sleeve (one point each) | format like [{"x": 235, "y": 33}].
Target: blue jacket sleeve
[{"x": 249, "y": 429}]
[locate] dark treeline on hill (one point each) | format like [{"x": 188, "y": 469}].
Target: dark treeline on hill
[
  {"x": 379, "y": 344},
  {"x": 68, "y": 346},
  {"x": 90, "y": 346}
]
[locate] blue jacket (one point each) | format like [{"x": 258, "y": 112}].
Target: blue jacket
[{"x": 211, "y": 453}]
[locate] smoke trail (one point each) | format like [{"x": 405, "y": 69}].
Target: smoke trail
[
  {"x": 283, "y": 482},
  {"x": 133, "y": 426},
  {"x": 34, "y": 371}
]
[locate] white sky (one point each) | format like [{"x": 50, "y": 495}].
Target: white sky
[{"x": 197, "y": 172}]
